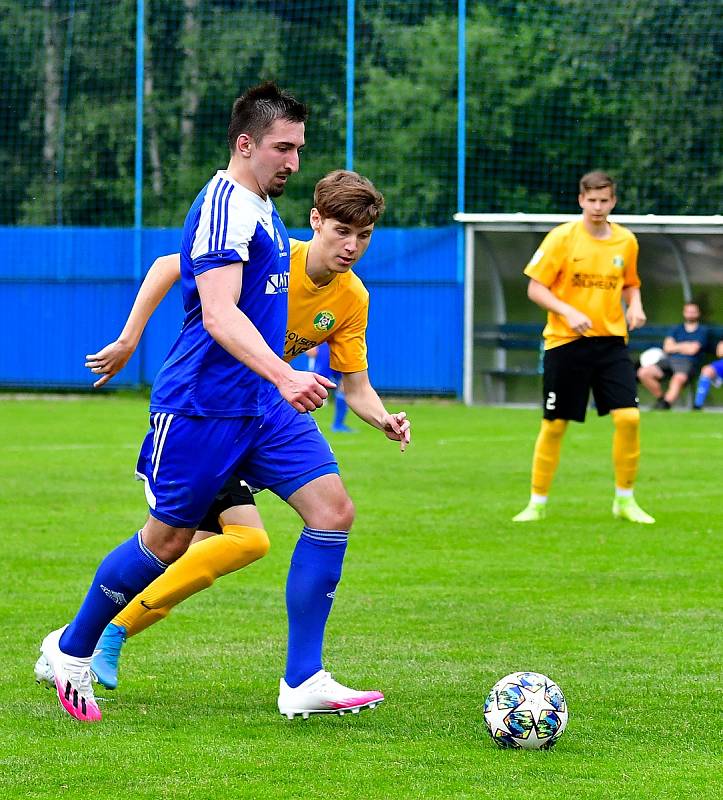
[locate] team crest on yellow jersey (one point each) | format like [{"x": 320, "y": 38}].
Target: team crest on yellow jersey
[
  {"x": 324, "y": 321},
  {"x": 618, "y": 261}
]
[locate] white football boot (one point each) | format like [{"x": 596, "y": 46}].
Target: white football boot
[
  {"x": 321, "y": 694},
  {"x": 44, "y": 673},
  {"x": 70, "y": 675}
]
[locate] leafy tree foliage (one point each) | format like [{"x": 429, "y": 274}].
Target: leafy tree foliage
[{"x": 554, "y": 88}]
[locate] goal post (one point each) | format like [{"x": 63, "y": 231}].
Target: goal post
[{"x": 681, "y": 258}]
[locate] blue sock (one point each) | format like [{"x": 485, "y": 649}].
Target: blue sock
[
  {"x": 123, "y": 573},
  {"x": 314, "y": 574},
  {"x": 340, "y": 408},
  {"x": 704, "y": 384}
]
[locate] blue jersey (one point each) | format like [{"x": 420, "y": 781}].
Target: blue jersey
[{"x": 225, "y": 225}]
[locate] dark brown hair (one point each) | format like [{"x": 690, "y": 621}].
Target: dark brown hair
[{"x": 258, "y": 108}]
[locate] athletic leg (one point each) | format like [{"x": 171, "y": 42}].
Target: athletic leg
[
  {"x": 297, "y": 464},
  {"x": 242, "y": 541},
  {"x": 675, "y": 387},
  {"x": 614, "y": 390},
  {"x": 705, "y": 381},
  {"x": 651, "y": 377},
  {"x": 545, "y": 460},
  {"x": 565, "y": 390},
  {"x": 178, "y": 490},
  {"x": 314, "y": 575}
]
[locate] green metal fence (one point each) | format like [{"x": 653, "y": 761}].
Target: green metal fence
[{"x": 552, "y": 88}]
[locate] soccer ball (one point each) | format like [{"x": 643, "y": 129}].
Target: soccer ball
[
  {"x": 651, "y": 357},
  {"x": 527, "y": 710}
]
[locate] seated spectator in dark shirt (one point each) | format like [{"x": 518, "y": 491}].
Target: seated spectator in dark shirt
[{"x": 681, "y": 348}]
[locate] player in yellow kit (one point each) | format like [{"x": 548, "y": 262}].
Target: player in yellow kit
[
  {"x": 581, "y": 274},
  {"x": 327, "y": 302}
]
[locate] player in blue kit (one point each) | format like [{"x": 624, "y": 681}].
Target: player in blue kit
[
  {"x": 711, "y": 375},
  {"x": 322, "y": 366},
  {"x": 225, "y": 400}
]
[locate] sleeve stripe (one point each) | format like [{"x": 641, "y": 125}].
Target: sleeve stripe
[
  {"x": 225, "y": 216},
  {"x": 220, "y": 215},
  {"x": 213, "y": 208}
]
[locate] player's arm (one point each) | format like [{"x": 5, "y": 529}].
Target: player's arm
[
  {"x": 671, "y": 345},
  {"x": 689, "y": 348},
  {"x": 219, "y": 290},
  {"x": 109, "y": 361},
  {"x": 719, "y": 349},
  {"x": 367, "y": 405},
  {"x": 634, "y": 314},
  {"x": 543, "y": 297}
]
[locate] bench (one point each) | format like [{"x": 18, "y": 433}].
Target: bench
[{"x": 515, "y": 337}]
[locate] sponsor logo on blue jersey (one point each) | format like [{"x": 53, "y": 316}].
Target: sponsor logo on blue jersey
[{"x": 278, "y": 283}]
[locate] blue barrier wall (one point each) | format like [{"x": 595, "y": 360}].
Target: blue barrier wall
[{"x": 67, "y": 291}]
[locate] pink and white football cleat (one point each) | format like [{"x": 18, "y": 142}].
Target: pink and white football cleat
[
  {"x": 70, "y": 676},
  {"x": 321, "y": 694}
]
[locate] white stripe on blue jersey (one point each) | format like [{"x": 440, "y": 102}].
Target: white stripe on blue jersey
[
  {"x": 229, "y": 215},
  {"x": 226, "y": 224}
]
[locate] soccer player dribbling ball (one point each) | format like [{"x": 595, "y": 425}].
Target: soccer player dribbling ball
[
  {"x": 580, "y": 275},
  {"x": 226, "y": 385},
  {"x": 327, "y": 303}
]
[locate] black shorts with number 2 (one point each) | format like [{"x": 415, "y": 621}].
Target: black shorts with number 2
[{"x": 600, "y": 363}]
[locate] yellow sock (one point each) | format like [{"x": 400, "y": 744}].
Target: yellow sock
[
  {"x": 547, "y": 454},
  {"x": 196, "y": 569},
  {"x": 626, "y": 446},
  {"x": 136, "y": 617}
]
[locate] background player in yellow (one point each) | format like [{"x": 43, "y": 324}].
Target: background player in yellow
[
  {"x": 580, "y": 275},
  {"x": 327, "y": 302}
]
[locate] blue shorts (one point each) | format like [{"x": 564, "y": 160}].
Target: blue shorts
[
  {"x": 322, "y": 365},
  {"x": 184, "y": 461}
]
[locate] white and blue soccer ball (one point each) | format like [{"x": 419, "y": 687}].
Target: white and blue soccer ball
[{"x": 526, "y": 710}]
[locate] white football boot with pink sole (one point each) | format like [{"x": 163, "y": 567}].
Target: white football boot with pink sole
[
  {"x": 321, "y": 694},
  {"x": 70, "y": 676}
]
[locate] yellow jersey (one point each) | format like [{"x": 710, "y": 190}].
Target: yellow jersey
[
  {"x": 589, "y": 274},
  {"x": 336, "y": 313}
]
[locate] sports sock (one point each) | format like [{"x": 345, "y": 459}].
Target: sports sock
[
  {"x": 701, "y": 392},
  {"x": 547, "y": 454},
  {"x": 626, "y": 446},
  {"x": 314, "y": 574},
  {"x": 136, "y": 617},
  {"x": 195, "y": 570},
  {"x": 120, "y": 576},
  {"x": 340, "y": 408}
]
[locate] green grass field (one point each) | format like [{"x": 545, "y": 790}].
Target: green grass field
[{"x": 442, "y": 595}]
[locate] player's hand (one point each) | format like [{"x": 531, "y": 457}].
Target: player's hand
[
  {"x": 578, "y": 322},
  {"x": 398, "y": 428},
  {"x": 305, "y": 391},
  {"x": 109, "y": 361},
  {"x": 635, "y": 317}
]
